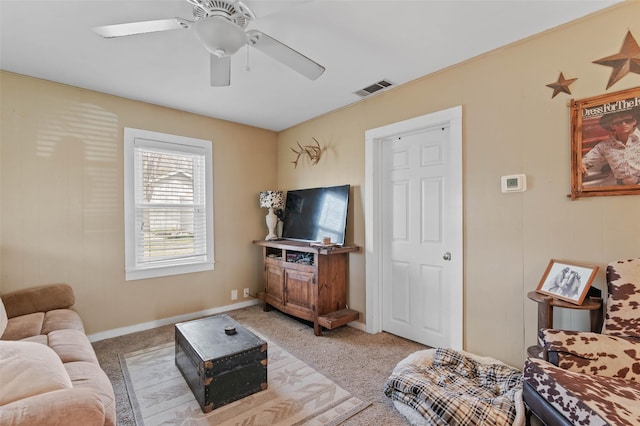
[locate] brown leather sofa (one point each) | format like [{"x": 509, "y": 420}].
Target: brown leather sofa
[{"x": 49, "y": 372}]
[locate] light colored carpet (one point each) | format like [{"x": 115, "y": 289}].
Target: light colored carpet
[{"x": 297, "y": 394}]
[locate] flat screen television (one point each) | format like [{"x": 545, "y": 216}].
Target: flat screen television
[{"x": 316, "y": 213}]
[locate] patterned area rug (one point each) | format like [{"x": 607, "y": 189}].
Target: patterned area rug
[{"x": 297, "y": 394}]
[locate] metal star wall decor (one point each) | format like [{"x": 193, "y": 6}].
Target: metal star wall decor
[
  {"x": 624, "y": 62},
  {"x": 562, "y": 85}
]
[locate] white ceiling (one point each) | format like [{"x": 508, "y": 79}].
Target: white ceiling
[{"x": 359, "y": 42}]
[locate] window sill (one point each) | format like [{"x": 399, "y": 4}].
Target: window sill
[{"x": 165, "y": 271}]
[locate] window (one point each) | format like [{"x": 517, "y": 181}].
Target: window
[{"x": 168, "y": 204}]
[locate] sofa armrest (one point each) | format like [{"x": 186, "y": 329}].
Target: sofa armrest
[
  {"x": 592, "y": 353},
  {"x": 584, "y": 399},
  {"x": 38, "y": 299},
  {"x": 78, "y": 406},
  {"x": 542, "y": 408}
]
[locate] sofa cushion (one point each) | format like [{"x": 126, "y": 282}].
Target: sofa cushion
[
  {"x": 61, "y": 319},
  {"x": 23, "y": 326},
  {"x": 71, "y": 345},
  {"x": 89, "y": 375},
  {"x": 622, "y": 318},
  {"x": 593, "y": 353},
  {"x": 28, "y": 369},
  {"x": 68, "y": 407},
  {"x": 40, "y": 338},
  {"x": 3, "y": 318}
]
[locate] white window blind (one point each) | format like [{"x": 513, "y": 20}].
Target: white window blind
[{"x": 171, "y": 208}]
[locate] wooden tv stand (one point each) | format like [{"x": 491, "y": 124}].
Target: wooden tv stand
[{"x": 308, "y": 282}]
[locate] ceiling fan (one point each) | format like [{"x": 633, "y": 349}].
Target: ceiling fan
[{"x": 220, "y": 27}]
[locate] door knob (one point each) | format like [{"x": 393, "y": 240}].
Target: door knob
[{"x": 447, "y": 256}]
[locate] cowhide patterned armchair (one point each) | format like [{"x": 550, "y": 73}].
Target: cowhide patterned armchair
[{"x": 592, "y": 378}]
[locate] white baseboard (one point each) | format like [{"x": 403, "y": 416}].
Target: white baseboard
[
  {"x": 185, "y": 317},
  {"x": 158, "y": 323},
  {"x": 358, "y": 325}
]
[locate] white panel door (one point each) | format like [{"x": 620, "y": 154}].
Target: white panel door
[{"x": 416, "y": 297}]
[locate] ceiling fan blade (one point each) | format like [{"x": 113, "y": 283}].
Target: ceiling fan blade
[
  {"x": 220, "y": 70},
  {"x": 142, "y": 27},
  {"x": 283, "y": 53}
]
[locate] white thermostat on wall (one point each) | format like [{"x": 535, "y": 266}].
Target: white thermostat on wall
[{"x": 514, "y": 183}]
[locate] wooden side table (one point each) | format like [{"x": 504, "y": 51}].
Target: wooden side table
[{"x": 545, "y": 314}]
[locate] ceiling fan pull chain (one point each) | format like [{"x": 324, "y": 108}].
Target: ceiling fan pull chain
[{"x": 248, "y": 68}]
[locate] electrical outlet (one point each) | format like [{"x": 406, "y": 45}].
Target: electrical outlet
[
  {"x": 234, "y": 294},
  {"x": 245, "y": 293}
]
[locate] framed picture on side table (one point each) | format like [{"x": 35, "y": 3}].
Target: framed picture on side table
[{"x": 567, "y": 280}]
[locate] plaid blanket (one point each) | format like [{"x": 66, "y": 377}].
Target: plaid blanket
[{"x": 450, "y": 388}]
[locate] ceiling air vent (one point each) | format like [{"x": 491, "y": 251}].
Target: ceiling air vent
[{"x": 369, "y": 90}]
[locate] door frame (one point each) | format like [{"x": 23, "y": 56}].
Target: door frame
[{"x": 374, "y": 222}]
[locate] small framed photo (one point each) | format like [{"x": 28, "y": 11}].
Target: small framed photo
[{"x": 567, "y": 281}]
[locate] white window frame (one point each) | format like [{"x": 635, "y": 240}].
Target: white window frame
[{"x": 138, "y": 137}]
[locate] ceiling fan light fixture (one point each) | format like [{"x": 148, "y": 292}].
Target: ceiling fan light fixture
[
  {"x": 219, "y": 35},
  {"x": 220, "y": 26}
]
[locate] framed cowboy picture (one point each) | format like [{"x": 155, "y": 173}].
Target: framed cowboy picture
[{"x": 605, "y": 144}]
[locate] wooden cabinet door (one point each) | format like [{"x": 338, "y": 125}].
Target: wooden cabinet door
[
  {"x": 299, "y": 285},
  {"x": 274, "y": 282}
]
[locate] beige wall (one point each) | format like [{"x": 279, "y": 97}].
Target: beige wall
[
  {"x": 61, "y": 185},
  {"x": 62, "y": 201},
  {"x": 510, "y": 125}
]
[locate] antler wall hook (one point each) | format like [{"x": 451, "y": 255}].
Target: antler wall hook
[{"x": 314, "y": 152}]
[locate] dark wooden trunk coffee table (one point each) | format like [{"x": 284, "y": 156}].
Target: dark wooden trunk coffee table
[{"x": 220, "y": 366}]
